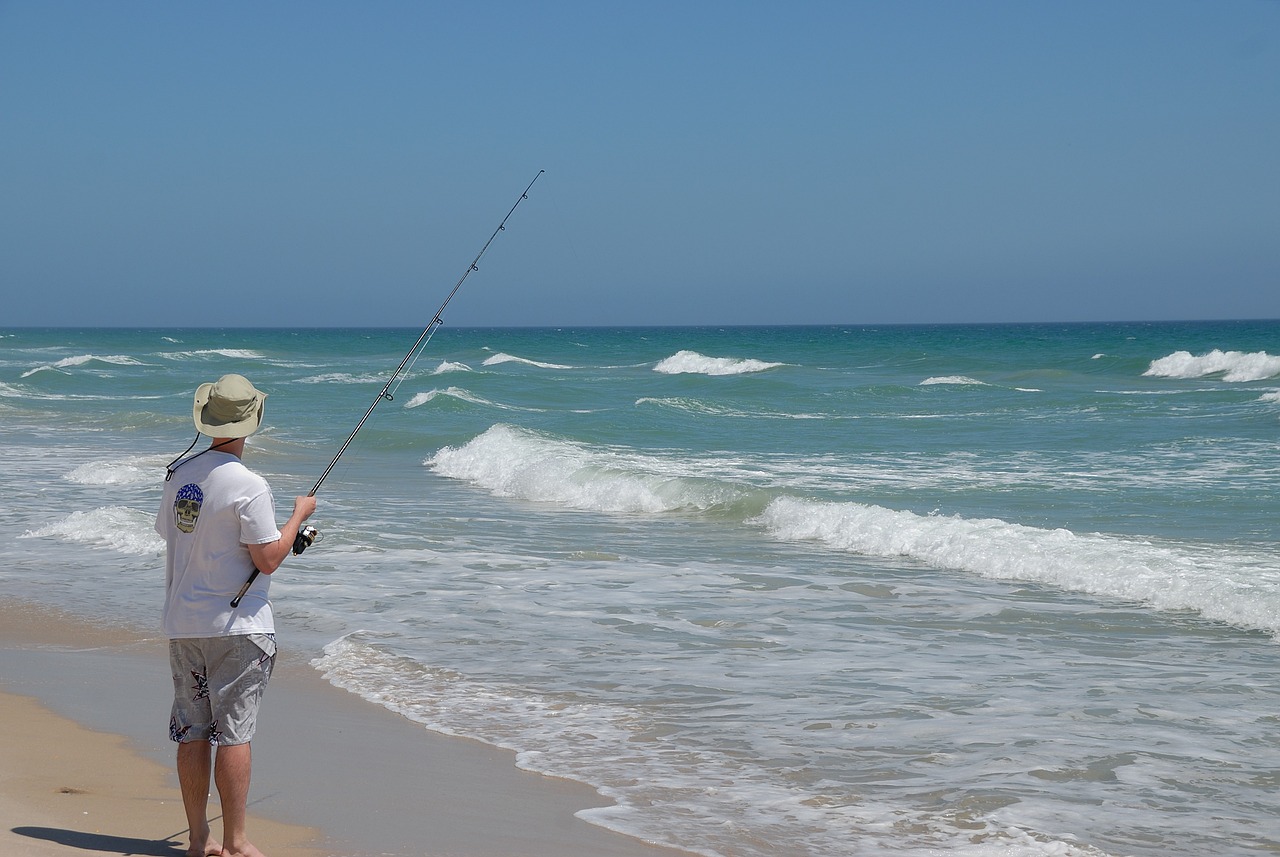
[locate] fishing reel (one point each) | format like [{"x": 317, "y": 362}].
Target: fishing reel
[{"x": 307, "y": 536}]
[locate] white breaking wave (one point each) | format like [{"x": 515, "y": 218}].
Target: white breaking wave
[
  {"x": 514, "y": 462},
  {"x": 445, "y": 366},
  {"x": 131, "y": 471},
  {"x": 1234, "y": 366},
  {"x": 508, "y": 358},
  {"x": 959, "y": 380},
  {"x": 117, "y": 527},
  {"x": 1241, "y": 589},
  {"x": 693, "y": 363},
  {"x": 462, "y": 395},
  {"x": 1238, "y": 588},
  {"x": 80, "y": 360},
  {"x": 700, "y": 408},
  {"x": 234, "y": 353},
  {"x": 343, "y": 378}
]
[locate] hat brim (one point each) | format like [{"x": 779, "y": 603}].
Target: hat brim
[{"x": 207, "y": 424}]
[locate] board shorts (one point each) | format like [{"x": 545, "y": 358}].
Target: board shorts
[{"x": 218, "y": 684}]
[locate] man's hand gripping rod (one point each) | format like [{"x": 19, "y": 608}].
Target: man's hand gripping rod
[{"x": 308, "y": 534}]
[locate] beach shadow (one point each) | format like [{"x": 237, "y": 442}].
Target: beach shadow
[{"x": 99, "y": 842}]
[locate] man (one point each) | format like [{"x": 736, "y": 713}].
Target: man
[{"x": 218, "y": 520}]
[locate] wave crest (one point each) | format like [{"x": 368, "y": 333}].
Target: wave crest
[
  {"x": 514, "y": 462},
  {"x": 1238, "y": 590},
  {"x": 1236, "y": 587},
  {"x": 509, "y": 358},
  {"x": 117, "y": 527},
  {"x": 132, "y": 471},
  {"x": 693, "y": 363},
  {"x": 1235, "y": 366},
  {"x": 71, "y": 362},
  {"x": 956, "y": 380}
]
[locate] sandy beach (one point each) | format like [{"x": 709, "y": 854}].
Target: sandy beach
[{"x": 85, "y": 764}]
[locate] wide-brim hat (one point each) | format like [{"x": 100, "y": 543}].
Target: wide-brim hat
[{"x": 229, "y": 407}]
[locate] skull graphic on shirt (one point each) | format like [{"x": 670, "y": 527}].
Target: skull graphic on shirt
[{"x": 186, "y": 508}]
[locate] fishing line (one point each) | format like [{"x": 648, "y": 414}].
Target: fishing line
[{"x": 307, "y": 535}]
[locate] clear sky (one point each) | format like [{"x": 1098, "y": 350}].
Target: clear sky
[{"x": 707, "y": 162}]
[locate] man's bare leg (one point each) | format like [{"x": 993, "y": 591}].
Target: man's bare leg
[
  {"x": 193, "y": 778},
  {"x": 231, "y": 771}
]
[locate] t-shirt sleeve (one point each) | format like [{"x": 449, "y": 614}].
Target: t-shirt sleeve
[{"x": 258, "y": 518}]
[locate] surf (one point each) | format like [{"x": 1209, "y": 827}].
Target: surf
[
  {"x": 1233, "y": 366},
  {"x": 1234, "y": 586}
]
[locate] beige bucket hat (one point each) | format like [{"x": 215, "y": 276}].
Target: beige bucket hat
[{"x": 229, "y": 407}]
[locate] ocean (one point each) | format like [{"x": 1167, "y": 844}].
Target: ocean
[{"x": 841, "y": 590}]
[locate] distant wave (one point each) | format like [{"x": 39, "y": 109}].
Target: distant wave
[
  {"x": 461, "y": 395},
  {"x": 693, "y": 363},
  {"x": 1234, "y": 366},
  {"x": 120, "y": 528},
  {"x": 70, "y": 362},
  {"x": 445, "y": 367},
  {"x": 508, "y": 358},
  {"x": 343, "y": 378},
  {"x": 958, "y": 380},
  {"x": 234, "y": 353},
  {"x": 1241, "y": 589},
  {"x": 1273, "y": 396},
  {"x": 695, "y": 406}
]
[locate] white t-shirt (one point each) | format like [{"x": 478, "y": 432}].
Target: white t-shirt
[{"x": 213, "y": 507}]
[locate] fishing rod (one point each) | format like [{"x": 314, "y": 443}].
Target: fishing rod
[{"x": 308, "y": 534}]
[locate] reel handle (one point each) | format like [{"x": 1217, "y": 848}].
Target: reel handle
[{"x": 307, "y": 536}]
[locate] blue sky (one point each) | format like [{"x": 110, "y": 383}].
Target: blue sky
[{"x": 707, "y": 162}]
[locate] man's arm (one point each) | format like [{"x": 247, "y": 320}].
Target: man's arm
[{"x": 267, "y": 557}]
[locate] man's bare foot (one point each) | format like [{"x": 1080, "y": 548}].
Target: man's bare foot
[
  {"x": 246, "y": 849},
  {"x": 212, "y": 848}
]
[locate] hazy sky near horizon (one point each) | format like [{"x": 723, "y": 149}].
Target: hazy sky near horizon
[{"x": 707, "y": 162}]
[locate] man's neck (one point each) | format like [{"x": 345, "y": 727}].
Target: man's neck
[{"x": 230, "y": 445}]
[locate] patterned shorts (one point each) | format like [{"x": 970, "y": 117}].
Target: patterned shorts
[{"x": 218, "y": 684}]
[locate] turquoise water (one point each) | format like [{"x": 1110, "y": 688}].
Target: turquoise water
[{"x": 981, "y": 590}]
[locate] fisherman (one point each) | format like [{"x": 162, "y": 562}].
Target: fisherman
[{"x": 218, "y": 521}]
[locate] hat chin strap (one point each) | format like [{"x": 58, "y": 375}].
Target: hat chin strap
[{"x": 172, "y": 466}]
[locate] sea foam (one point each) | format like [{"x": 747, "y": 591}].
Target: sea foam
[
  {"x": 1239, "y": 589},
  {"x": 498, "y": 359},
  {"x": 460, "y": 395},
  {"x": 1234, "y": 366},
  {"x": 132, "y": 471},
  {"x": 120, "y": 528},
  {"x": 82, "y": 359},
  {"x": 693, "y": 363},
  {"x": 233, "y": 353},
  {"x": 1236, "y": 588},
  {"x": 513, "y": 462},
  {"x": 953, "y": 380}
]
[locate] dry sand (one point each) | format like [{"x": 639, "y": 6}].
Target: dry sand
[{"x": 86, "y": 765}]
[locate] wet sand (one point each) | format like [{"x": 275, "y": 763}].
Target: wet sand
[{"x": 86, "y": 764}]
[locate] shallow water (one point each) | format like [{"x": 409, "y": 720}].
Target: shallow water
[{"x": 982, "y": 590}]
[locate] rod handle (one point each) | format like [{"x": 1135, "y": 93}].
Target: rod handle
[{"x": 235, "y": 602}]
